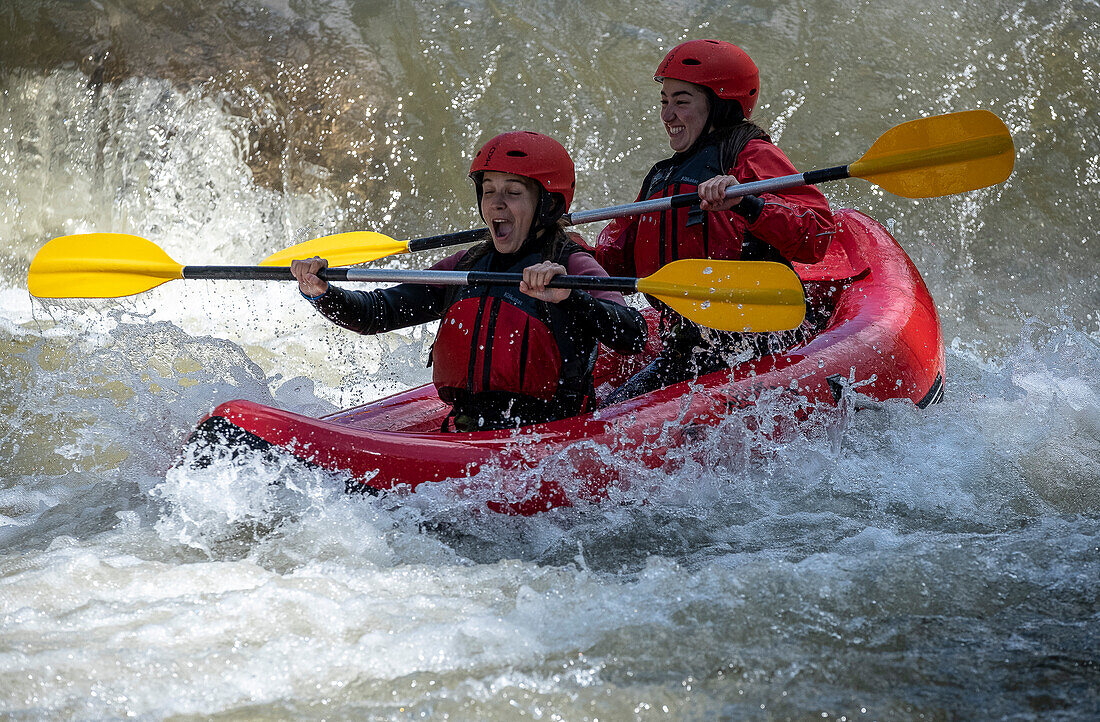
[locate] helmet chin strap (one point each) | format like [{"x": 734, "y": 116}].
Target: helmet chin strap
[{"x": 550, "y": 208}]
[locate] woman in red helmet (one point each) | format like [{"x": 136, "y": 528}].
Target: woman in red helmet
[
  {"x": 708, "y": 91},
  {"x": 503, "y": 356}
]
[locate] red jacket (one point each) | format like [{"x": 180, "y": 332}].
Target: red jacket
[{"x": 796, "y": 222}]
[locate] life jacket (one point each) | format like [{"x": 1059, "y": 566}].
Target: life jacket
[
  {"x": 498, "y": 339},
  {"x": 691, "y": 232}
]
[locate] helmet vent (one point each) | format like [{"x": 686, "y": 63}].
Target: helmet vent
[
  {"x": 691, "y": 61},
  {"x": 516, "y": 154}
]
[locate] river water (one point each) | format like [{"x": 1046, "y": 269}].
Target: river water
[{"x": 888, "y": 564}]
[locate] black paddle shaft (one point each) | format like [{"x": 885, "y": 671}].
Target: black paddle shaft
[
  {"x": 449, "y": 239},
  {"x": 681, "y": 200},
  {"x": 252, "y": 273},
  {"x": 396, "y": 275},
  {"x": 592, "y": 283}
]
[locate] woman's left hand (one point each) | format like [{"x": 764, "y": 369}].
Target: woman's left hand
[
  {"x": 536, "y": 277},
  {"x": 712, "y": 193}
]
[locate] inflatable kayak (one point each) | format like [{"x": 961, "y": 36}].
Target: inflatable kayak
[{"x": 882, "y": 340}]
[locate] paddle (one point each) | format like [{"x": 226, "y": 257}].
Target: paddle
[
  {"x": 924, "y": 158},
  {"x": 346, "y": 249},
  {"x": 726, "y": 295}
]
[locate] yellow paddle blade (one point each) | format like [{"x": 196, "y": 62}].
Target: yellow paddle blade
[
  {"x": 941, "y": 155},
  {"x": 730, "y": 295},
  {"x": 99, "y": 265},
  {"x": 341, "y": 249}
]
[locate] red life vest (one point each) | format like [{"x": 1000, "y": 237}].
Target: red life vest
[
  {"x": 691, "y": 232},
  {"x": 496, "y": 338}
]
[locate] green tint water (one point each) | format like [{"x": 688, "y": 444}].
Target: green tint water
[{"x": 891, "y": 564}]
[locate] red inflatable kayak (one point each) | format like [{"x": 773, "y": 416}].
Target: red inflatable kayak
[{"x": 883, "y": 338}]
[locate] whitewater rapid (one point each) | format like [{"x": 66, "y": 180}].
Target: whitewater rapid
[{"x": 885, "y": 563}]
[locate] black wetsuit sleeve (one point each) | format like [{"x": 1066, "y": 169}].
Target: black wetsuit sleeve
[
  {"x": 749, "y": 208},
  {"x": 383, "y": 310},
  {"x": 617, "y": 326}
]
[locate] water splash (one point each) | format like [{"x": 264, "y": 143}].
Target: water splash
[{"x": 859, "y": 568}]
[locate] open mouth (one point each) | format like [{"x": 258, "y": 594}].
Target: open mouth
[{"x": 501, "y": 228}]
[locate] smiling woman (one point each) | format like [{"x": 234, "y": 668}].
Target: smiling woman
[
  {"x": 503, "y": 357},
  {"x": 684, "y": 111},
  {"x": 708, "y": 91},
  {"x": 858, "y": 571}
]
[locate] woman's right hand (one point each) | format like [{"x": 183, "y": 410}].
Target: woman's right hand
[
  {"x": 712, "y": 193},
  {"x": 305, "y": 271}
]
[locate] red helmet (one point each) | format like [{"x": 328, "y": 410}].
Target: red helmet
[
  {"x": 723, "y": 67},
  {"x": 531, "y": 155}
]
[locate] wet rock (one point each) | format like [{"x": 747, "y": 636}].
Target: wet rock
[{"x": 300, "y": 81}]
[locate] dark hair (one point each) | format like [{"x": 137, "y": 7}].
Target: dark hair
[
  {"x": 731, "y": 131},
  {"x": 723, "y": 113}
]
